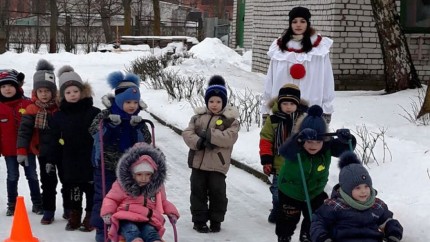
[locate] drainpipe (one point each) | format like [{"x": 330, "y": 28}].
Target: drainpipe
[{"x": 240, "y": 22}]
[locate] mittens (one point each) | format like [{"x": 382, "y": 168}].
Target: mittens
[
  {"x": 106, "y": 218},
  {"x": 22, "y": 160},
  {"x": 344, "y": 135},
  {"x": 115, "y": 119},
  {"x": 135, "y": 120},
  {"x": 267, "y": 169}
]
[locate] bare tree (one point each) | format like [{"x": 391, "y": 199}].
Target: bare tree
[
  {"x": 127, "y": 16},
  {"x": 157, "y": 17},
  {"x": 400, "y": 72},
  {"x": 53, "y": 26},
  {"x": 4, "y": 17},
  {"x": 107, "y": 9}
]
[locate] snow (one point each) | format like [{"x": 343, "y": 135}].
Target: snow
[{"x": 402, "y": 181}]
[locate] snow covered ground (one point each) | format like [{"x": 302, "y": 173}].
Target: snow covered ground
[{"x": 402, "y": 182}]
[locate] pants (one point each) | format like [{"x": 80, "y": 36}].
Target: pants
[
  {"x": 131, "y": 230},
  {"x": 12, "y": 178},
  {"x": 110, "y": 178},
  {"x": 290, "y": 211},
  {"x": 208, "y": 186},
  {"x": 275, "y": 198},
  {"x": 75, "y": 193},
  {"x": 49, "y": 186}
]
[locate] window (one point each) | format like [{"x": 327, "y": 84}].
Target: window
[{"x": 415, "y": 15}]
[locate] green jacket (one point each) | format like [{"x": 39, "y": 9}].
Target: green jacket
[{"x": 315, "y": 167}]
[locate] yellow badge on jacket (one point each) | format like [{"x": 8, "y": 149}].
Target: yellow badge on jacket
[
  {"x": 61, "y": 141},
  {"x": 321, "y": 168},
  {"x": 21, "y": 111},
  {"x": 218, "y": 122}
]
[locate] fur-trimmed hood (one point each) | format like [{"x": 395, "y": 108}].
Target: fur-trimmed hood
[
  {"x": 229, "y": 111},
  {"x": 108, "y": 99},
  {"x": 125, "y": 175}
]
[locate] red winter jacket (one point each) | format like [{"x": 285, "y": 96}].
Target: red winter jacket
[{"x": 10, "y": 119}]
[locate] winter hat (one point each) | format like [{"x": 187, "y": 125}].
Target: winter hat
[
  {"x": 126, "y": 87},
  {"x": 315, "y": 121},
  {"x": 44, "y": 76},
  {"x": 68, "y": 77},
  {"x": 216, "y": 87},
  {"x": 289, "y": 93},
  {"x": 299, "y": 12},
  {"x": 9, "y": 77},
  {"x": 352, "y": 173},
  {"x": 144, "y": 163}
]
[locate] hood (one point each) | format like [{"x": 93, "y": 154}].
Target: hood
[{"x": 125, "y": 175}]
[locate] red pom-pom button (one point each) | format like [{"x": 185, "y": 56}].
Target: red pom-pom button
[{"x": 297, "y": 71}]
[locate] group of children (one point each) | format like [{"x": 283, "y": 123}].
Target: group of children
[{"x": 106, "y": 156}]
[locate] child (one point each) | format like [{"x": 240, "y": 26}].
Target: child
[
  {"x": 12, "y": 107},
  {"x": 135, "y": 205},
  {"x": 121, "y": 128},
  {"x": 286, "y": 109},
  {"x": 354, "y": 213},
  {"x": 72, "y": 145},
  {"x": 211, "y": 135},
  {"x": 311, "y": 150},
  {"x": 301, "y": 56},
  {"x": 35, "y": 134}
]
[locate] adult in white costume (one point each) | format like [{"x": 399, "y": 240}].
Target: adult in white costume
[{"x": 301, "y": 57}]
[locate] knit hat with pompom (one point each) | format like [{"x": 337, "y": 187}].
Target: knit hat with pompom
[
  {"x": 68, "y": 77},
  {"x": 44, "y": 77},
  {"x": 126, "y": 87},
  {"x": 216, "y": 87},
  {"x": 315, "y": 121},
  {"x": 352, "y": 173}
]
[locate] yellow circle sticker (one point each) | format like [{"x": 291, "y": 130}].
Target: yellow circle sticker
[
  {"x": 218, "y": 122},
  {"x": 21, "y": 110},
  {"x": 321, "y": 168},
  {"x": 61, "y": 141}
]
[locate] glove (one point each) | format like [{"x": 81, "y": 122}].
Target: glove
[
  {"x": 264, "y": 117},
  {"x": 115, "y": 119},
  {"x": 22, "y": 160},
  {"x": 392, "y": 239},
  {"x": 106, "y": 218},
  {"x": 344, "y": 135},
  {"x": 267, "y": 169},
  {"x": 172, "y": 218},
  {"x": 200, "y": 144},
  {"x": 307, "y": 134},
  {"x": 135, "y": 120},
  {"x": 50, "y": 169}
]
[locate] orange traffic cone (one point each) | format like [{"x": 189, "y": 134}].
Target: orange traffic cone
[{"x": 21, "y": 231}]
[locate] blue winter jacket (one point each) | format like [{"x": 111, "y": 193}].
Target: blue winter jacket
[{"x": 340, "y": 222}]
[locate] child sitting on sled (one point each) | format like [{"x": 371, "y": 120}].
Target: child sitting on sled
[
  {"x": 135, "y": 205},
  {"x": 354, "y": 213}
]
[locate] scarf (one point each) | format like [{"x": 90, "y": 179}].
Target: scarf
[
  {"x": 284, "y": 128},
  {"x": 356, "y": 204},
  {"x": 41, "y": 121}
]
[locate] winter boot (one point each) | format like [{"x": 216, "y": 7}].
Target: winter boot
[
  {"x": 215, "y": 227},
  {"x": 284, "y": 239},
  {"x": 201, "y": 227},
  {"x": 48, "y": 217},
  {"x": 85, "y": 225},
  {"x": 37, "y": 209},
  {"x": 304, "y": 237},
  {"x": 66, "y": 214},
  {"x": 10, "y": 211},
  {"x": 74, "y": 221}
]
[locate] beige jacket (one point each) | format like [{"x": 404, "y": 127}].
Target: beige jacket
[{"x": 222, "y": 132}]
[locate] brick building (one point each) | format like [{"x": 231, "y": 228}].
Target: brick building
[{"x": 356, "y": 55}]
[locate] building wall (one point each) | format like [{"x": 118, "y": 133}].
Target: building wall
[{"x": 356, "y": 55}]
